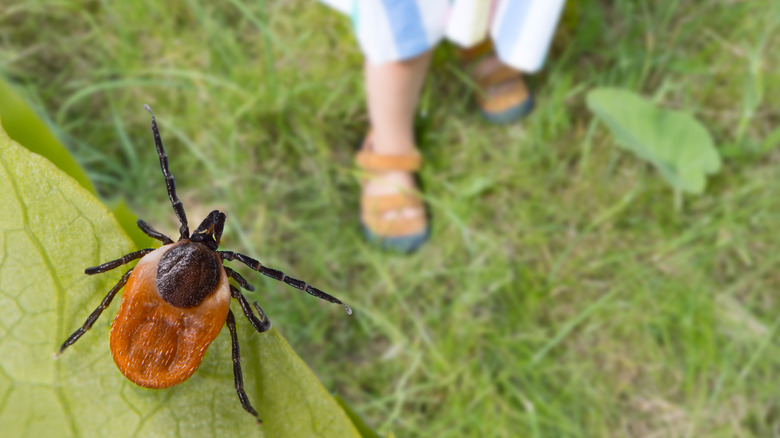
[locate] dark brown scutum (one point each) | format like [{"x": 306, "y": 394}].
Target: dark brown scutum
[{"x": 187, "y": 274}]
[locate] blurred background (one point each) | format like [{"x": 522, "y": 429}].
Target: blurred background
[{"x": 562, "y": 293}]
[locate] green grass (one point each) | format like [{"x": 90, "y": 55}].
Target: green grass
[{"x": 562, "y": 295}]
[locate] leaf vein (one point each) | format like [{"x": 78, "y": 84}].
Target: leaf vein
[{"x": 58, "y": 286}]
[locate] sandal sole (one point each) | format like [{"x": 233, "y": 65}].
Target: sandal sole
[
  {"x": 402, "y": 244},
  {"x": 512, "y": 114}
]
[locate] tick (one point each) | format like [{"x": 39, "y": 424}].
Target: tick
[{"x": 177, "y": 298}]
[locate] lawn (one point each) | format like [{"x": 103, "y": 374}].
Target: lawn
[{"x": 563, "y": 293}]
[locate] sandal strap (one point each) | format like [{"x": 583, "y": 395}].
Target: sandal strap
[
  {"x": 371, "y": 161},
  {"x": 389, "y": 228},
  {"x": 381, "y": 204},
  {"x": 473, "y": 56},
  {"x": 374, "y": 209},
  {"x": 515, "y": 94},
  {"x": 501, "y": 74}
]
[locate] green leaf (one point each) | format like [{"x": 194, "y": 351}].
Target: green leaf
[
  {"x": 52, "y": 228},
  {"x": 678, "y": 145},
  {"x": 293, "y": 401},
  {"x": 24, "y": 126},
  {"x": 357, "y": 420}
]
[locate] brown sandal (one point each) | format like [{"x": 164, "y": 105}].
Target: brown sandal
[
  {"x": 404, "y": 234},
  {"x": 503, "y": 95}
]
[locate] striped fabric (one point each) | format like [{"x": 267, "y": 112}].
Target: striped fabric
[{"x": 393, "y": 30}]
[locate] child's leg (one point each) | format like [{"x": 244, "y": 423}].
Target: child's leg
[{"x": 393, "y": 91}]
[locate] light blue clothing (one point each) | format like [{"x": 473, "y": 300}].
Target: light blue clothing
[{"x": 393, "y": 30}]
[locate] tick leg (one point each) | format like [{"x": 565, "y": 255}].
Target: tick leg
[
  {"x": 281, "y": 276},
  {"x": 178, "y": 208},
  {"x": 239, "y": 279},
  {"x": 96, "y": 313},
  {"x": 118, "y": 262},
  {"x": 237, "y": 375},
  {"x": 151, "y": 232},
  {"x": 262, "y": 324}
]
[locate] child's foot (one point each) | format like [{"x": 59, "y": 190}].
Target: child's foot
[
  {"x": 503, "y": 96},
  {"x": 392, "y": 212}
]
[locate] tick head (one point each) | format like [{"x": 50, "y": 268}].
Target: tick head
[{"x": 209, "y": 232}]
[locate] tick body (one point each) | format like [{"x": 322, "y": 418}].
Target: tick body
[
  {"x": 166, "y": 321},
  {"x": 177, "y": 298}
]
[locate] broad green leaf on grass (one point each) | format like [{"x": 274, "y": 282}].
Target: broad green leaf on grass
[
  {"x": 357, "y": 420},
  {"x": 293, "y": 402},
  {"x": 678, "y": 145},
  {"x": 24, "y": 126},
  {"x": 51, "y": 228}
]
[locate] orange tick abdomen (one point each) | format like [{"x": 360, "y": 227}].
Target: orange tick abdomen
[{"x": 158, "y": 345}]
